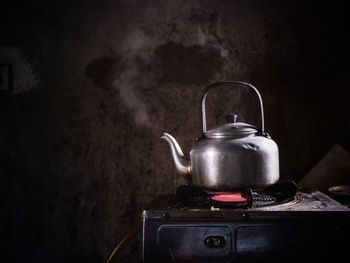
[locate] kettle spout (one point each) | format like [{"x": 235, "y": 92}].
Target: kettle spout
[{"x": 182, "y": 164}]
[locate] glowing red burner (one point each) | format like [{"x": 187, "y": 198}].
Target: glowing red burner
[{"x": 229, "y": 197}]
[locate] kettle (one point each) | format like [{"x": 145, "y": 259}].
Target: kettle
[{"x": 233, "y": 156}]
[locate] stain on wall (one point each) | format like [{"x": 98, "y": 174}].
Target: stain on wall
[
  {"x": 187, "y": 64},
  {"x": 81, "y": 154}
]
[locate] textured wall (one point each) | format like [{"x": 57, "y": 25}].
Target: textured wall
[{"x": 98, "y": 82}]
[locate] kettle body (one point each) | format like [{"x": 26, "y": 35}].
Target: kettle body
[{"x": 228, "y": 164}]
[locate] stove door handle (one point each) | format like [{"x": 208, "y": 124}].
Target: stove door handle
[{"x": 215, "y": 242}]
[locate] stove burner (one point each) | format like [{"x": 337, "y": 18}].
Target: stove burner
[
  {"x": 229, "y": 197},
  {"x": 279, "y": 193}
]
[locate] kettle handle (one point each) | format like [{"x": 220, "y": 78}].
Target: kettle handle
[{"x": 230, "y": 83}]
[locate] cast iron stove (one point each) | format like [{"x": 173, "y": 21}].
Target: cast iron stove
[{"x": 275, "y": 224}]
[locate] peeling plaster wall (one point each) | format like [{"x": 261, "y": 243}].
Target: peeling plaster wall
[
  {"x": 25, "y": 79},
  {"x": 100, "y": 81}
]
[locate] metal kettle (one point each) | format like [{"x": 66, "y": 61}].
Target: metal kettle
[{"x": 233, "y": 156}]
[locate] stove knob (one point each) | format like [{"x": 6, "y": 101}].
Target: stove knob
[
  {"x": 209, "y": 242},
  {"x": 166, "y": 215},
  {"x": 220, "y": 242}
]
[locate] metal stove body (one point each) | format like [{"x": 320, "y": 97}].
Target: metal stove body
[{"x": 311, "y": 228}]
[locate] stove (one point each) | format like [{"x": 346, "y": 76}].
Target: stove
[{"x": 273, "y": 224}]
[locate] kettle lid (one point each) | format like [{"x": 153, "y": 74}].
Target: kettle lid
[{"x": 231, "y": 130}]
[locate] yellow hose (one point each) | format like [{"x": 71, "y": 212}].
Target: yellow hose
[{"x": 133, "y": 232}]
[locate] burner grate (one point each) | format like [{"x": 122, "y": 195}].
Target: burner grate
[
  {"x": 279, "y": 193},
  {"x": 261, "y": 200}
]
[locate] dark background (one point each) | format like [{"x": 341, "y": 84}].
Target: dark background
[{"x": 96, "y": 83}]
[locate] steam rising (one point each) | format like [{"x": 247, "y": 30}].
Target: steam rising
[
  {"x": 211, "y": 40},
  {"x": 136, "y": 51},
  {"x": 137, "y": 54}
]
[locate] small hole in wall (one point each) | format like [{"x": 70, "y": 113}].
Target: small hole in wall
[{"x": 5, "y": 78}]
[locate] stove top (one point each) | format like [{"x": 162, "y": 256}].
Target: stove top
[
  {"x": 304, "y": 204},
  {"x": 281, "y": 197}
]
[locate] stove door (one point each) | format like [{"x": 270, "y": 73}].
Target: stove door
[{"x": 193, "y": 243}]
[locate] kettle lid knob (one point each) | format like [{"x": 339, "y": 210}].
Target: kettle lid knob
[{"x": 231, "y": 118}]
